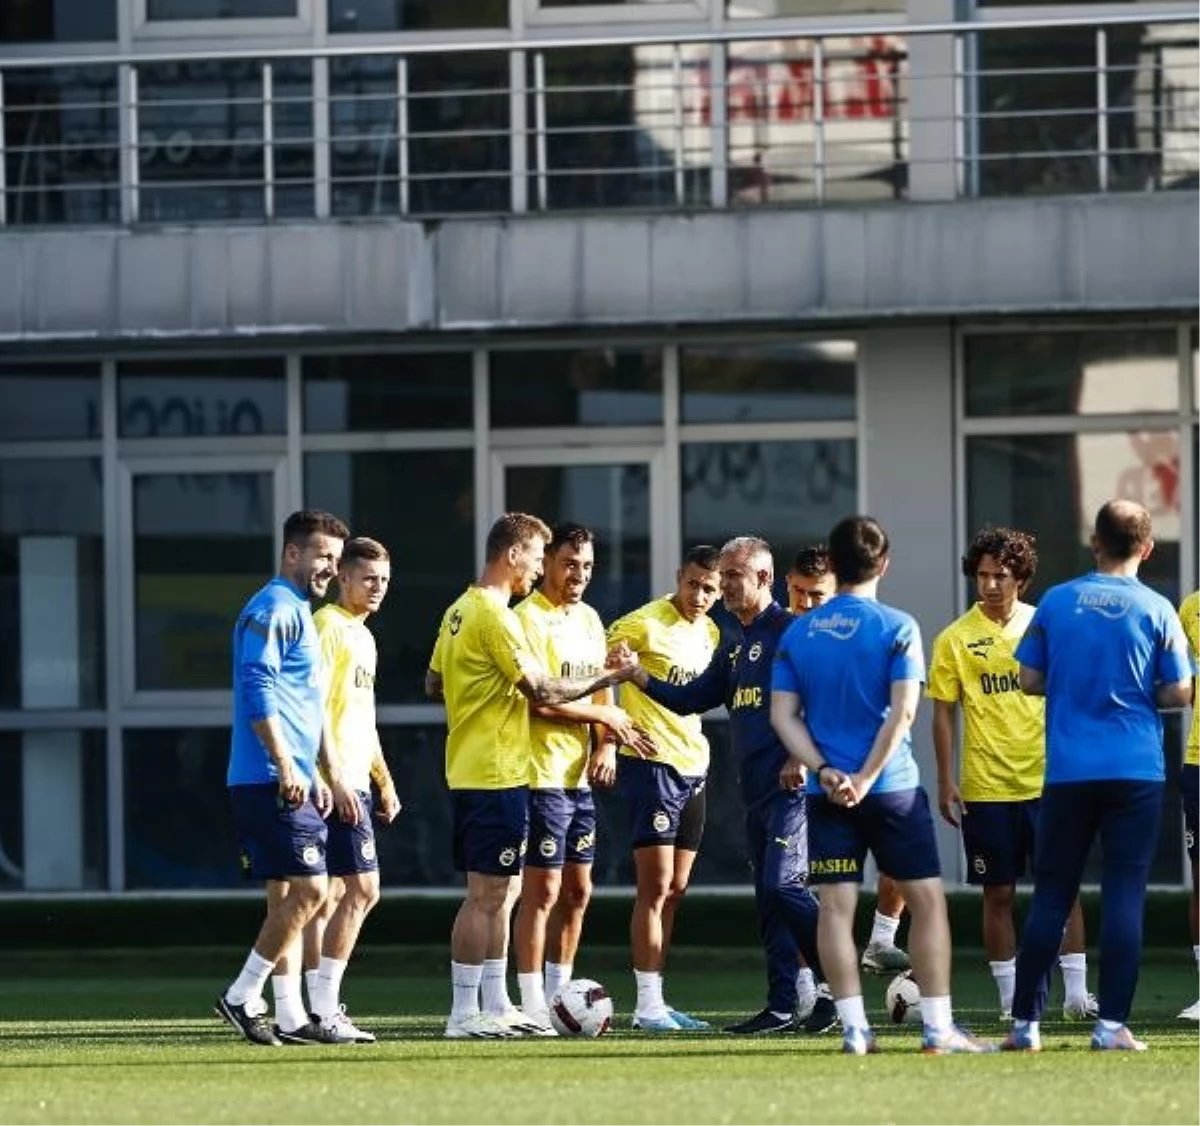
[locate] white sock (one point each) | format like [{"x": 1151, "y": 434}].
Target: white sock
[
  {"x": 533, "y": 996},
  {"x": 465, "y": 980},
  {"x": 557, "y": 975},
  {"x": 883, "y": 930},
  {"x": 310, "y": 988},
  {"x": 248, "y": 986},
  {"x": 1005, "y": 974},
  {"x": 806, "y": 985},
  {"x": 936, "y": 1013},
  {"x": 289, "y": 1004},
  {"x": 494, "y": 986},
  {"x": 852, "y": 1013},
  {"x": 650, "y": 1001},
  {"x": 1074, "y": 971},
  {"x": 326, "y": 998}
]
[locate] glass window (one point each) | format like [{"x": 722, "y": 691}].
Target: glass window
[
  {"x": 179, "y": 830},
  {"x": 388, "y": 391},
  {"x": 430, "y": 537},
  {"x": 200, "y": 139},
  {"x": 53, "y": 811},
  {"x": 415, "y": 15},
  {"x": 60, "y": 145},
  {"x": 758, "y": 9},
  {"x": 220, "y": 9},
  {"x": 63, "y": 21},
  {"x": 364, "y": 161},
  {"x": 773, "y": 383},
  {"x": 186, "y": 597},
  {"x": 46, "y": 401},
  {"x": 51, "y": 584},
  {"x": 592, "y": 387},
  {"x": 201, "y": 398},
  {"x": 1078, "y": 373}
]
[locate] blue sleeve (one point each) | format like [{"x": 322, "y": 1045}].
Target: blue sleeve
[
  {"x": 1031, "y": 649},
  {"x": 260, "y": 659},
  {"x": 908, "y": 654},
  {"x": 709, "y": 690},
  {"x": 1174, "y": 661},
  {"x": 783, "y": 672}
]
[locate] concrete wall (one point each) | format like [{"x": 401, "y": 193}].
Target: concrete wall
[{"x": 1073, "y": 254}]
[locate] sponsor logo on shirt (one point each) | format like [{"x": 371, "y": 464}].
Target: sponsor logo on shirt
[
  {"x": 1107, "y": 603},
  {"x": 838, "y": 626}
]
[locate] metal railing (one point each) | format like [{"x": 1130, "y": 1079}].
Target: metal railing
[{"x": 745, "y": 117}]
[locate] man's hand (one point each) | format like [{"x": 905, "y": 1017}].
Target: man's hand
[
  {"x": 793, "y": 775},
  {"x": 839, "y": 786},
  {"x": 950, "y": 803},
  {"x": 292, "y": 789},
  {"x": 345, "y": 801},
  {"x": 623, "y": 661},
  {"x": 388, "y": 805},
  {"x": 602, "y": 766},
  {"x": 621, "y": 726},
  {"x": 322, "y": 796}
]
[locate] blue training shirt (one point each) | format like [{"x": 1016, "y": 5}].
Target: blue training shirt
[
  {"x": 1103, "y": 642},
  {"x": 739, "y": 676},
  {"x": 842, "y": 659},
  {"x": 276, "y": 666}
]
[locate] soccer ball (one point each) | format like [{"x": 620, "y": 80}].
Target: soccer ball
[
  {"x": 903, "y": 999},
  {"x": 581, "y": 1008}
]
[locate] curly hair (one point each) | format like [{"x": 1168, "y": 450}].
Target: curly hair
[{"x": 1013, "y": 549}]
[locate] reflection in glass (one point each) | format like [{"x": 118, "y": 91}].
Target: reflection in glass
[
  {"x": 51, "y": 584},
  {"x": 804, "y": 381},
  {"x": 45, "y": 401},
  {"x": 614, "y": 502},
  {"x": 60, "y": 145},
  {"x": 388, "y": 391},
  {"x": 53, "y": 811},
  {"x": 203, "y": 543},
  {"x": 200, "y": 140},
  {"x": 201, "y": 398},
  {"x": 63, "y": 21},
  {"x": 220, "y": 9},
  {"x": 1053, "y": 485},
  {"x": 421, "y": 505},
  {"x": 591, "y": 387},
  {"x": 1076, "y": 373},
  {"x": 415, "y": 15},
  {"x": 179, "y": 830},
  {"x": 364, "y": 158}
]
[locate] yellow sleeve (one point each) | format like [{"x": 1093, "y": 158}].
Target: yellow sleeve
[
  {"x": 504, "y": 641},
  {"x": 630, "y": 629}
]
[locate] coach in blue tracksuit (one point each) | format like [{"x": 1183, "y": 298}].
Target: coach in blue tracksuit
[{"x": 739, "y": 677}]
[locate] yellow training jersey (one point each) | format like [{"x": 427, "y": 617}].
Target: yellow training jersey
[
  {"x": 1189, "y": 615},
  {"x": 673, "y": 649},
  {"x": 1004, "y": 731},
  {"x": 348, "y": 659},
  {"x": 566, "y": 641},
  {"x": 481, "y": 655}
]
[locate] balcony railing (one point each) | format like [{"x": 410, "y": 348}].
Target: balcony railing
[{"x": 742, "y": 118}]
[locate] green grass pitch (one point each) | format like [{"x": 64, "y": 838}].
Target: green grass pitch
[{"x": 130, "y": 1038}]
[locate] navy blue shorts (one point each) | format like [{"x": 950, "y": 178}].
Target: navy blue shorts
[
  {"x": 562, "y": 828},
  {"x": 351, "y": 848},
  {"x": 665, "y": 808},
  {"x": 276, "y": 841},
  {"x": 896, "y": 828},
  {"x": 999, "y": 838},
  {"x": 491, "y": 828},
  {"x": 1189, "y": 784}
]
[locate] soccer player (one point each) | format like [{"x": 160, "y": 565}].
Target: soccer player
[
  {"x": 349, "y": 661},
  {"x": 1189, "y": 782},
  {"x": 844, "y": 692},
  {"x": 566, "y": 636},
  {"x": 483, "y": 669},
  {"x": 276, "y": 740},
  {"x": 674, "y": 638},
  {"x": 1106, "y": 652},
  {"x": 1003, "y": 755},
  {"x": 810, "y": 583},
  {"x": 739, "y": 678}
]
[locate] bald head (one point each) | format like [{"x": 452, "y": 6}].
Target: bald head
[{"x": 1122, "y": 530}]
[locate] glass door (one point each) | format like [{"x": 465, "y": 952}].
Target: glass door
[
  {"x": 199, "y": 537},
  {"x": 617, "y": 493}
]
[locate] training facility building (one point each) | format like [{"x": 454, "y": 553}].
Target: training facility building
[{"x": 676, "y": 269}]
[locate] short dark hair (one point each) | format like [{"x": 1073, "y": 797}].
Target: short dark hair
[
  {"x": 811, "y": 561},
  {"x": 1122, "y": 529},
  {"x": 1011, "y": 548},
  {"x": 364, "y": 548},
  {"x": 858, "y": 545},
  {"x": 511, "y": 530},
  {"x": 301, "y": 526},
  {"x": 574, "y": 534},
  {"x": 706, "y": 556}
]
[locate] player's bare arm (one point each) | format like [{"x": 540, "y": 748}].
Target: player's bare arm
[
  {"x": 1033, "y": 681},
  {"x": 1177, "y": 695},
  {"x": 949, "y": 798},
  {"x": 542, "y": 689},
  {"x": 329, "y": 759},
  {"x": 433, "y": 685},
  {"x": 905, "y": 696},
  {"x": 292, "y": 788},
  {"x": 389, "y": 803}
]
